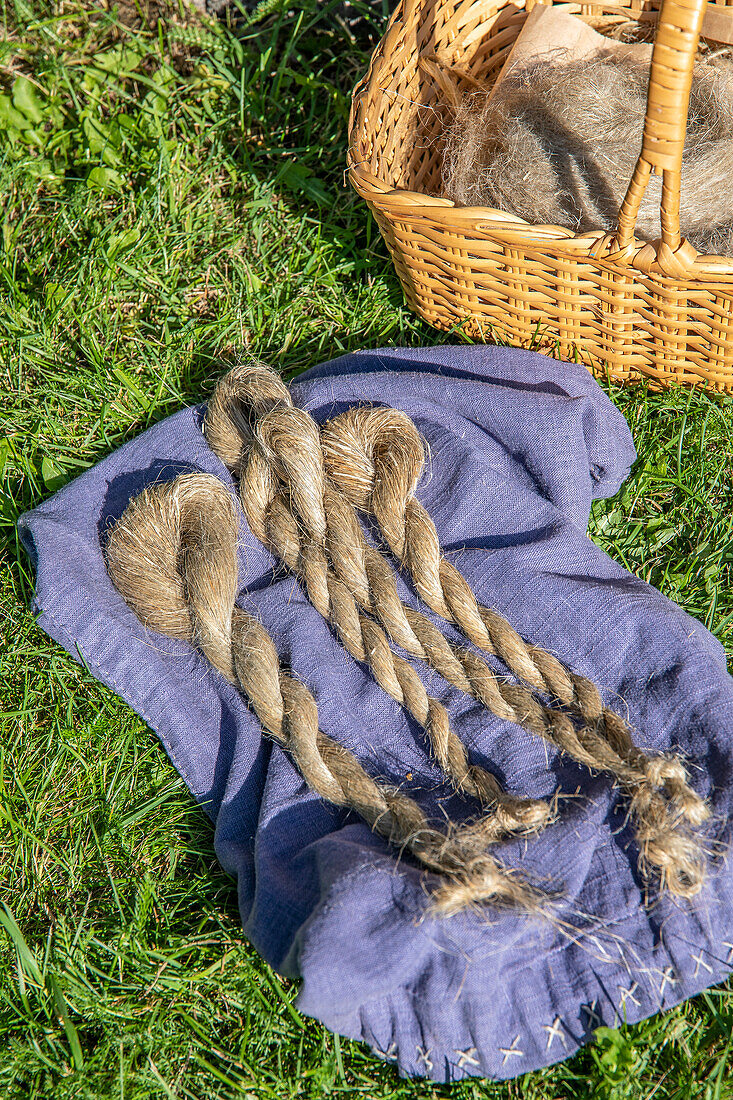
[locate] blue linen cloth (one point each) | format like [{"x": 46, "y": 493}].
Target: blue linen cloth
[{"x": 519, "y": 446}]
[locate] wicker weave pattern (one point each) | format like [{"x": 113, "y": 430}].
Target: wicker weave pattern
[{"x": 624, "y": 307}]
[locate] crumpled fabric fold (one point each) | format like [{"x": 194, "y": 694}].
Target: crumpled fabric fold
[{"x": 519, "y": 446}]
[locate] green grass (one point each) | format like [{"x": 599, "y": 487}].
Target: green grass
[{"x": 171, "y": 191}]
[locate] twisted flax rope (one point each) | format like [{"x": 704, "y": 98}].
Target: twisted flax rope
[
  {"x": 300, "y": 487},
  {"x": 272, "y": 508},
  {"x": 173, "y": 558},
  {"x": 359, "y": 452}
]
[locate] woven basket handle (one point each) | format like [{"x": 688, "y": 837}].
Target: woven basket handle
[{"x": 675, "y": 49}]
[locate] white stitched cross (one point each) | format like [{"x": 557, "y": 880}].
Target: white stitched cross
[
  {"x": 390, "y": 1054},
  {"x": 628, "y": 994},
  {"x": 730, "y": 951},
  {"x": 699, "y": 960},
  {"x": 424, "y": 1056},
  {"x": 467, "y": 1058},
  {"x": 590, "y": 1011},
  {"x": 554, "y": 1031},
  {"x": 512, "y": 1050},
  {"x": 668, "y": 978}
]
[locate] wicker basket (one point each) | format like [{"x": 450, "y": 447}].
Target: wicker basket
[{"x": 624, "y": 307}]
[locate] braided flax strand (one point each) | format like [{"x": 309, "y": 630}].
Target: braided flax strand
[
  {"x": 375, "y": 457},
  {"x": 173, "y": 558},
  {"x": 285, "y": 439}
]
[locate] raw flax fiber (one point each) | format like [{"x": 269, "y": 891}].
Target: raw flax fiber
[
  {"x": 173, "y": 557},
  {"x": 557, "y": 141}
]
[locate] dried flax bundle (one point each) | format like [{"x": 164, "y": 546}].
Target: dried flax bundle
[{"x": 556, "y": 144}]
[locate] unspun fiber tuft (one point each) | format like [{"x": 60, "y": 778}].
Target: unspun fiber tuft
[{"x": 556, "y": 144}]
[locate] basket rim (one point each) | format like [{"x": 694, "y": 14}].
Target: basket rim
[
  {"x": 513, "y": 230},
  {"x": 480, "y": 219}
]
